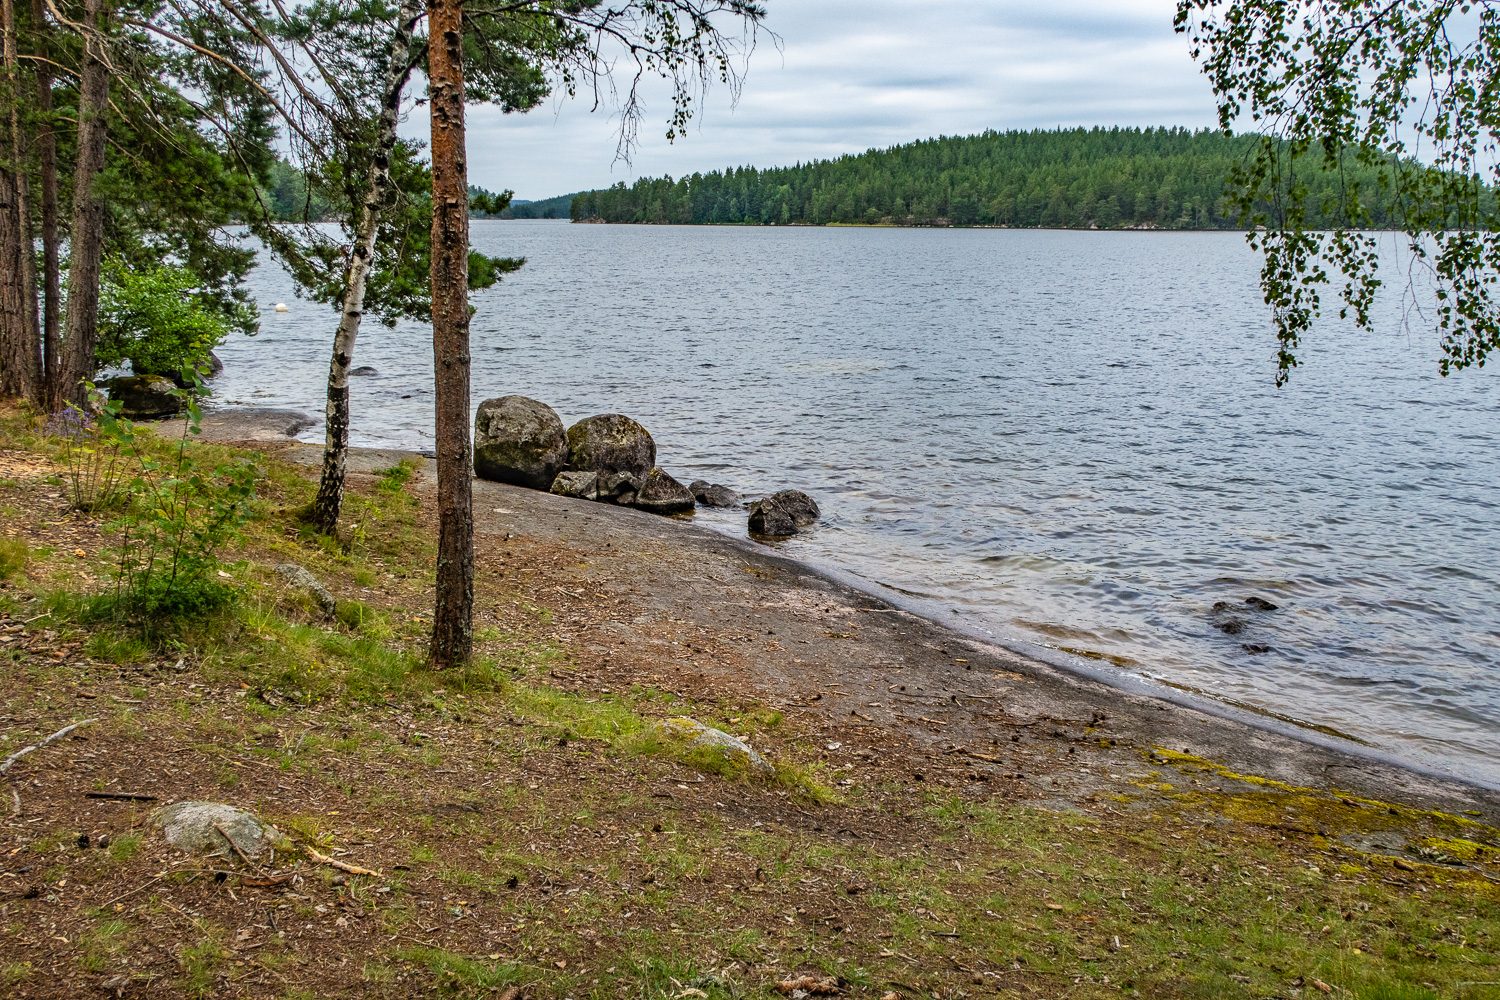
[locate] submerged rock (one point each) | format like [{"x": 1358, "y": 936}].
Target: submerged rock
[
  {"x": 581, "y": 485},
  {"x": 298, "y": 578},
  {"x": 661, "y": 494},
  {"x": 1260, "y": 604},
  {"x": 519, "y": 441},
  {"x": 713, "y": 495},
  {"x": 144, "y": 397},
  {"x": 690, "y": 734},
  {"x": 203, "y": 828},
  {"x": 611, "y": 443},
  {"x": 768, "y": 517},
  {"x": 363, "y": 371}
]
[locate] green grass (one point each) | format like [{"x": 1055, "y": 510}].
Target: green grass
[{"x": 14, "y": 554}]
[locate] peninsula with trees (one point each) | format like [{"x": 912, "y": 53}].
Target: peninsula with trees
[{"x": 1099, "y": 178}]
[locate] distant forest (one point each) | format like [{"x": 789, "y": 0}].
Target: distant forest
[
  {"x": 551, "y": 208},
  {"x": 1157, "y": 178}
]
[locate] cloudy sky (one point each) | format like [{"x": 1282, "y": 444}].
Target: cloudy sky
[{"x": 854, "y": 74}]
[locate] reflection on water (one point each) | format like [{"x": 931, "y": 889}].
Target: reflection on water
[{"x": 1071, "y": 439}]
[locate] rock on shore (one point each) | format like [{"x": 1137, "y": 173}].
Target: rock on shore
[
  {"x": 519, "y": 441},
  {"x": 783, "y": 514},
  {"x": 611, "y": 443},
  {"x": 661, "y": 494},
  {"x": 713, "y": 495},
  {"x": 144, "y": 397}
]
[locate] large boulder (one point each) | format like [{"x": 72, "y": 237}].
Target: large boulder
[
  {"x": 212, "y": 828},
  {"x": 608, "y": 444},
  {"x": 661, "y": 494},
  {"x": 519, "y": 441},
  {"x": 713, "y": 495},
  {"x": 144, "y": 397}
]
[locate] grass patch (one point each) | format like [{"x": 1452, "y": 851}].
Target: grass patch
[{"x": 14, "y": 554}]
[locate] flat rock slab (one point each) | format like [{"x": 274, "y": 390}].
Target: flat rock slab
[
  {"x": 205, "y": 828},
  {"x": 248, "y": 423}
]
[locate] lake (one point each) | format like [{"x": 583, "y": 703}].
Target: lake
[{"x": 1069, "y": 441}]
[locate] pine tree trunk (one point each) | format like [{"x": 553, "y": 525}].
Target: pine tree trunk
[
  {"x": 452, "y": 623},
  {"x": 87, "y": 234},
  {"x": 330, "y": 498},
  {"x": 46, "y": 148},
  {"x": 20, "y": 347}
]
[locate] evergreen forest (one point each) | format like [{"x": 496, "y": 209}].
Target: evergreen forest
[{"x": 1152, "y": 178}]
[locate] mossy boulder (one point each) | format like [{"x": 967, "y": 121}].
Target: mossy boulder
[
  {"x": 144, "y": 397},
  {"x": 519, "y": 441},
  {"x": 611, "y": 443},
  {"x": 710, "y": 749}
]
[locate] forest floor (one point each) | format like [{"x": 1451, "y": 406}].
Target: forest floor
[{"x": 947, "y": 820}]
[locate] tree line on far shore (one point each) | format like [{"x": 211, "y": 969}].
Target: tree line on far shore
[{"x": 1115, "y": 178}]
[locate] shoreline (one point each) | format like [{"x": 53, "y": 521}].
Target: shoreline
[{"x": 1068, "y": 681}]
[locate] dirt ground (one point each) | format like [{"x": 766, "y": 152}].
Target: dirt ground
[{"x": 968, "y": 822}]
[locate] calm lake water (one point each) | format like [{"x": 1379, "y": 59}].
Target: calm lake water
[{"x": 1070, "y": 439}]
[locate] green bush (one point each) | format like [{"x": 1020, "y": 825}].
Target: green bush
[
  {"x": 177, "y": 516},
  {"x": 157, "y": 321}
]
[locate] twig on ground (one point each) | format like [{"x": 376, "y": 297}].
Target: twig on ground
[
  {"x": 235, "y": 847},
  {"x": 65, "y": 730},
  {"x": 122, "y": 796},
  {"x": 342, "y": 866}
]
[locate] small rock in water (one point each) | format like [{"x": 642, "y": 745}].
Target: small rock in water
[
  {"x": 582, "y": 485},
  {"x": 362, "y": 371},
  {"x": 801, "y": 506},
  {"x": 768, "y": 517},
  {"x": 661, "y": 494},
  {"x": 1255, "y": 647},
  {"x": 1260, "y": 604},
  {"x": 1231, "y": 626},
  {"x": 713, "y": 495}
]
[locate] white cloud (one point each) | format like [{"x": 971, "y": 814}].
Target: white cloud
[{"x": 854, "y": 75}]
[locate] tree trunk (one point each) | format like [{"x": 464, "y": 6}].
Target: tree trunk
[
  {"x": 46, "y": 147},
  {"x": 330, "y": 499},
  {"x": 452, "y": 622},
  {"x": 20, "y": 354},
  {"x": 87, "y": 234}
]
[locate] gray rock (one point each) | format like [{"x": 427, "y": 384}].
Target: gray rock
[
  {"x": 609, "y": 443},
  {"x": 713, "y": 495},
  {"x": 768, "y": 517},
  {"x": 626, "y": 499},
  {"x": 801, "y": 506},
  {"x": 144, "y": 397},
  {"x": 582, "y": 485},
  {"x": 691, "y": 734},
  {"x": 519, "y": 441},
  {"x": 661, "y": 494},
  {"x": 613, "y": 485},
  {"x": 299, "y": 578},
  {"x": 201, "y": 828},
  {"x": 363, "y": 371},
  {"x": 1260, "y": 604}
]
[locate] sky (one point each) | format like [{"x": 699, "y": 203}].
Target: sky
[{"x": 849, "y": 75}]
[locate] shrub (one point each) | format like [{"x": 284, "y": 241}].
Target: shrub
[
  {"x": 96, "y": 472},
  {"x": 178, "y": 514},
  {"x": 157, "y": 321}
]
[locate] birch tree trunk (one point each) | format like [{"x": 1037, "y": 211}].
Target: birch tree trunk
[
  {"x": 330, "y": 498},
  {"x": 87, "y": 237},
  {"x": 452, "y": 621}
]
